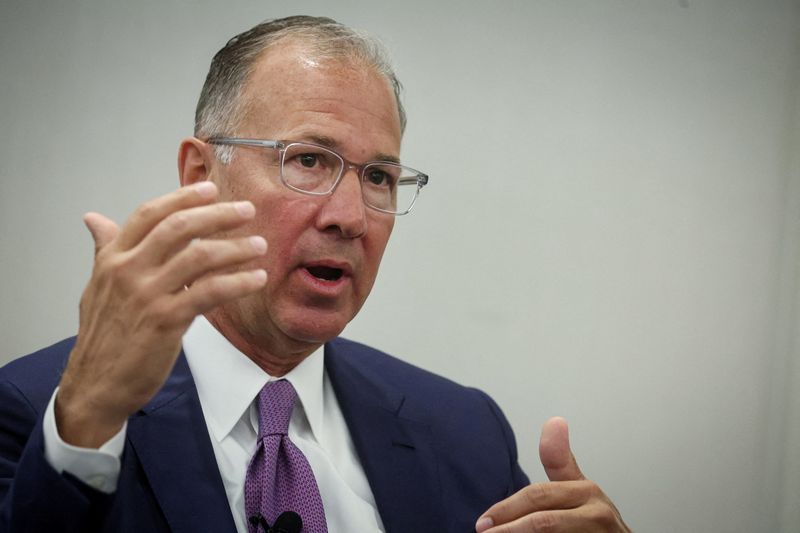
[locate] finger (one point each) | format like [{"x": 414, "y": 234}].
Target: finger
[
  {"x": 103, "y": 229},
  {"x": 202, "y": 256},
  {"x": 534, "y": 498},
  {"x": 211, "y": 291},
  {"x": 581, "y": 519},
  {"x": 554, "y": 451},
  {"x": 532, "y": 523},
  {"x": 178, "y": 229},
  {"x": 149, "y": 214}
]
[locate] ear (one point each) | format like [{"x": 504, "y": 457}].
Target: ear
[{"x": 195, "y": 160}]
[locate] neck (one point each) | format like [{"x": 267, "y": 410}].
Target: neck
[{"x": 275, "y": 356}]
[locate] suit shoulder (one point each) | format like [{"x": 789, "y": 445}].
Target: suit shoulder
[
  {"x": 379, "y": 365},
  {"x": 36, "y": 375},
  {"x": 463, "y": 421}
]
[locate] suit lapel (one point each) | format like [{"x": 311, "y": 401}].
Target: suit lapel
[
  {"x": 170, "y": 438},
  {"x": 397, "y": 453}
]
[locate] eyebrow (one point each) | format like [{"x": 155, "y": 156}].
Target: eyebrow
[{"x": 330, "y": 142}]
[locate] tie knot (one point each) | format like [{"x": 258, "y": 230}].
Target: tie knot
[{"x": 275, "y": 404}]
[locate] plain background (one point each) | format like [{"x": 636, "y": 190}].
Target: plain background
[{"x": 610, "y": 233}]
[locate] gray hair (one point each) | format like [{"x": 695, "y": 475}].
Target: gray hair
[{"x": 221, "y": 108}]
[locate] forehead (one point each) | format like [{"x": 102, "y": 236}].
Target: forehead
[{"x": 292, "y": 93}]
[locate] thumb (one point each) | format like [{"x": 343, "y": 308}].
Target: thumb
[
  {"x": 555, "y": 453},
  {"x": 103, "y": 229}
]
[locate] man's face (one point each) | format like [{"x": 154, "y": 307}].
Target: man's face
[{"x": 352, "y": 110}]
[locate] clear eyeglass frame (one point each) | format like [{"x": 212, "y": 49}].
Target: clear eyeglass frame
[{"x": 408, "y": 177}]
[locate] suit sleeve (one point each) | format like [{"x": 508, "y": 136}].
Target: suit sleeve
[
  {"x": 518, "y": 478},
  {"x": 33, "y": 496}
]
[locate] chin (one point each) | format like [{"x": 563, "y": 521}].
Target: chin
[{"x": 315, "y": 327}]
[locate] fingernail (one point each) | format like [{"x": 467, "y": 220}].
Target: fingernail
[
  {"x": 246, "y": 209},
  {"x": 206, "y": 189},
  {"x": 259, "y": 244},
  {"x": 484, "y": 523},
  {"x": 260, "y": 275}
]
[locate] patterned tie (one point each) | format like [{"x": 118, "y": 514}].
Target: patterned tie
[{"x": 279, "y": 477}]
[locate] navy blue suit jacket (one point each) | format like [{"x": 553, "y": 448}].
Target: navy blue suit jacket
[{"x": 436, "y": 454}]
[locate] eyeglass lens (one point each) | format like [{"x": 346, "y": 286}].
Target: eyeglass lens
[{"x": 386, "y": 186}]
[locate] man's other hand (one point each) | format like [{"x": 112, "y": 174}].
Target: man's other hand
[
  {"x": 150, "y": 279},
  {"x": 569, "y": 502}
]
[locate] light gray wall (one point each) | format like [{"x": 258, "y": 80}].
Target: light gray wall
[
  {"x": 610, "y": 233},
  {"x": 786, "y": 397}
]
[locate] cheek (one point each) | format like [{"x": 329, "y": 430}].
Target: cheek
[
  {"x": 280, "y": 215},
  {"x": 377, "y": 243},
  {"x": 282, "y": 222}
]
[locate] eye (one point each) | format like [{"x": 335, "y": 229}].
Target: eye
[
  {"x": 376, "y": 176},
  {"x": 308, "y": 160}
]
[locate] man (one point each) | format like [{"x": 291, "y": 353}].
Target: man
[{"x": 197, "y": 395}]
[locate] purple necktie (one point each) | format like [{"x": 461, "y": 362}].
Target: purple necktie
[{"x": 279, "y": 477}]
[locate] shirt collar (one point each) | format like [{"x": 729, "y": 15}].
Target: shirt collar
[{"x": 228, "y": 381}]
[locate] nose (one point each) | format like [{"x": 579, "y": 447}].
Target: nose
[{"x": 344, "y": 211}]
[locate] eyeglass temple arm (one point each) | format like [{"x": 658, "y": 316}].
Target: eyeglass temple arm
[
  {"x": 421, "y": 180},
  {"x": 243, "y": 142}
]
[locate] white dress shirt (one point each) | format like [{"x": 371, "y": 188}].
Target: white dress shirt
[{"x": 228, "y": 383}]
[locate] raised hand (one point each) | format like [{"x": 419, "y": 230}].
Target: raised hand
[
  {"x": 151, "y": 278},
  {"x": 569, "y": 502}
]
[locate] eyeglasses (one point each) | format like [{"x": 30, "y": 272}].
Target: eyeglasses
[{"x": 308, "y": 168}]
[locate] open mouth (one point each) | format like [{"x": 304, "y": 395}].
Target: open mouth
[{"x": 325, "y": 273}]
